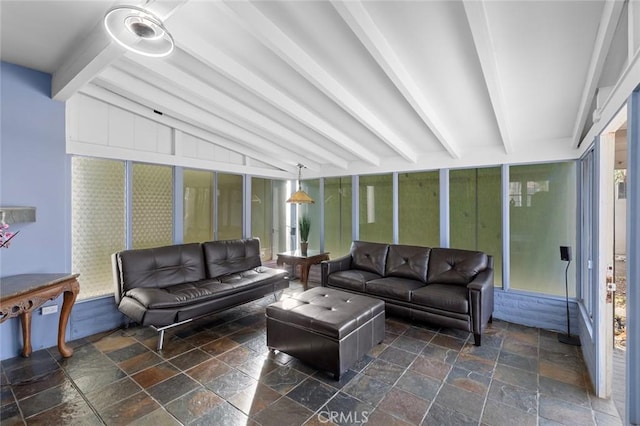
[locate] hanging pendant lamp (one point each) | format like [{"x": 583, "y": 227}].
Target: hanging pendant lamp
[{"x": 300, "y": 197}]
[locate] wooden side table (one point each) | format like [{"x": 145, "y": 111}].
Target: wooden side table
[
  {"x": 20, "y": 295},
  {"x": 295, "y": 257}
]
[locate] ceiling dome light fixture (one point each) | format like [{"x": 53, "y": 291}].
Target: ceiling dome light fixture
[
  {"x": 139, "y": 31},
  {"x": 300, "y": 197}
]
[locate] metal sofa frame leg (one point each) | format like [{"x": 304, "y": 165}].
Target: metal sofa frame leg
[{"x": 161, "y": 330}]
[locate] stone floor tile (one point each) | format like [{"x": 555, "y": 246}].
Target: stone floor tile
[
  {"x": 459, "y": 400},
  {"x": 564, "y": 412},
  {"x": 404, "y": 405},
  {"x": 193, "y": 405},
  {"x": 254, "y": 399},
  {"x": 367, "y": 389},
  {"x": 514, "y": 396},
  {"x": 498, "y": 414},
  {"x": 420, "y": 385},
  {"x": 312, "y": 393},
  {"x": 444, "y": 416},
  {"x": 156, "y": 374},
  {"x": 172, "y": 388},
  {"x": 284, "y": 411}
]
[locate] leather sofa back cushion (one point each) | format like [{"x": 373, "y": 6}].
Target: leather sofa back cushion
[
  {"x": 408, "y": 262},
  {"x": 161, "y": 266},
  {"x": 231, "y": 256},
  {"x": 453, "y": 266},
  {"x": 369, "y": 256}
]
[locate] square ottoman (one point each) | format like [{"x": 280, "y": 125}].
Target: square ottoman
[{"x": 326, "y": 328}]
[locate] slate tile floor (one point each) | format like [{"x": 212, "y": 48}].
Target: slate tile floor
[{"x": 218, "y": 371}]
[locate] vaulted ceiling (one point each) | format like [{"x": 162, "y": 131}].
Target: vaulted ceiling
[{"x": 343, "y": 86}]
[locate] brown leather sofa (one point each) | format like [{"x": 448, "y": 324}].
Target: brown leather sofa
[
  {"x": 168, "y": 286},
  {"x": 446, "y": 287}
]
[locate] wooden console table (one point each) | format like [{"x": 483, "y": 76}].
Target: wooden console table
[
  {"x": 296, "y": 257},
  {"x": 20, "y": 295}
]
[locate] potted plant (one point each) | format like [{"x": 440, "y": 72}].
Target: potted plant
[{"x": 305, "y": 226}]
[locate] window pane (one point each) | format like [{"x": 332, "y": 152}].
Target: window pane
[
  {"x": 312, "y": 187},
  {"x": 229, "y": 206},
  {"x": 419, "y": 208},
  {"x": 337, "y": 215},
  {"x": 376, "y": 208},
  {"x": 97, "y": 222},
  {"x": 476, "y": 213},
  {"x": 543, "y": 220},
  {"x": 152, "y": 204},
  {"x": 261, "y": 210},
  {"x": 197, "y": 206}
]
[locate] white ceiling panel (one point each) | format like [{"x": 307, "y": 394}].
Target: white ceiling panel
[{"x": 342, "y": 86}]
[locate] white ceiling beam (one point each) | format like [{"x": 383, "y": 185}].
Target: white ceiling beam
[
  {"x": 126, "y": 104},
  {"x": 147, "y": 94},
  {"x": 202, "y": 50},
  {"x": 358, "y": 19},
  {"x": 608, "y": 22},
  {"x": 94, "y": 53},
  {"x": 295, "y": 56},
  {"x": 225, "y": 106},
  {"x": 479, "y": 24}
]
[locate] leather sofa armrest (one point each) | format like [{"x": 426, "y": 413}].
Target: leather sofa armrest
[
  {"x": 117, "y": 279},
  {"x": 481, "y": 299},
  {"x": 328, "y": 267}
]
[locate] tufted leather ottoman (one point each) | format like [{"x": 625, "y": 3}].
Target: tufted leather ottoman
[{"x": 326, "y": 328}]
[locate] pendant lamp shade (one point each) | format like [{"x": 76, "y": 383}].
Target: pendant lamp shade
[
  {"x": 139, "y": 31},
  {"x": 300, "y": 197}
]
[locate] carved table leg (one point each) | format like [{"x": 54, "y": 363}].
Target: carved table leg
[
  {"x": 67, "y": 304},
  {"x": 25, "y": 319}
]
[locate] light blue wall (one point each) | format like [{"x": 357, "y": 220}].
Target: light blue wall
[{"x": 34, "y": 171}]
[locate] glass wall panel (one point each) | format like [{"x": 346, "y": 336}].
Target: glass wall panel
[
  {"x": 198, "y": 206},
  {"x": 312, "y": 187},
  {"x": 419, "y": 208},
  {"x": 542, "y": 200},
  {"x": 152, "y": 205},
  {"x": 97, "y": 222},
  {"x": 475, "y": 216},
  {"x": 229, "y": 206},
  {"x": 376, "y": 208},
  {"x": 261, "y": 211},
  {"x": 281, "y": 231},
  {"x": 337, "y": 215}
]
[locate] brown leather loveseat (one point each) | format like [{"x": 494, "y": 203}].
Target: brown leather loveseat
[
  {"x": 167, "y": 286},
  {"x": 447, "y": 287}
]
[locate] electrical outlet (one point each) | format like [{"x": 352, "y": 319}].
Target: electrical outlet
[{"x": 47, "y": 310}]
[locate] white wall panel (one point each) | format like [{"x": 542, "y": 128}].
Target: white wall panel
[
  {"x": 101, "y": 129},
  {"x": 93, "y": 121},
  {"x": 189, "y": 146},
  {"x": 164, "y": 142},
  {"x": 206, "y": 150},
  {"x": 145, "y": 134},
  {"x": 121, "y": 129}
]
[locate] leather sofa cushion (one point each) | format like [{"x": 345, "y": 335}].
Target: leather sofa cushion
[
  {"x": 201, "y": 291},
  {"x": 161, "y": 266},
  {"x": 369, "y": 257},
  {"x": 450, "y": 298},
  {"x": 453, "y": 266},
  {"x": 231, "y": 256},
  {"x": 329, "y": 312},
  {"x": 408, "y": 262},
  {"x": 351, "y": 279},
  {"x": 393, "y": 288}
]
